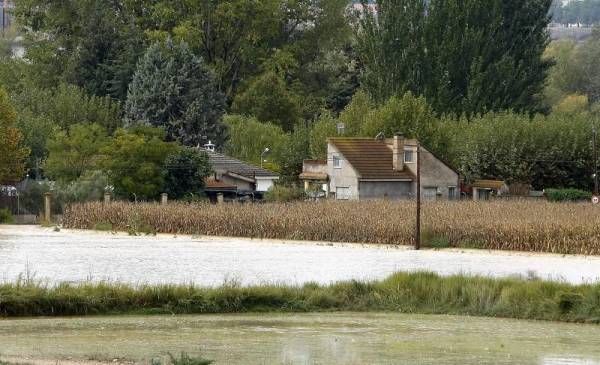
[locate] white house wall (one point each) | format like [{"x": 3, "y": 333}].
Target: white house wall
[
  {"x": 344, "y": 177},
  {"x": 264, "y": 184},
  {"x": 434, "y": 173}
]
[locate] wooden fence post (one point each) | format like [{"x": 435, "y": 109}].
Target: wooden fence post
[
  {"x": 48, "y": 207},
  {"x": 164, "y": 199}
]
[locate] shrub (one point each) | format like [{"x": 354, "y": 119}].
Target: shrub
[
  {"x": 562, "y": 195},
  {"x": 32, "y": 196},
  {"x": 282, "y": 194},
  {"x": 6, "y": 216},
  {"x": 569, "y": 301}
]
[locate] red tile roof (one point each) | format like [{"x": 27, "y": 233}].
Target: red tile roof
[
  {"x": 211, "y": 183},
  {"x": 371, "y": 158}
]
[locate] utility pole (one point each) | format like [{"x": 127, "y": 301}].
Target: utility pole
[
  {"x": 594, "y": 146},
  {"x": 418, "y": 226}
]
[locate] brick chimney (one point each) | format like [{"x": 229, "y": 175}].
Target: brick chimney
[{"x": 398, "y": 152}]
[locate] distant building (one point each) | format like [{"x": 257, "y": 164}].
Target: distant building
[
  {"x": 485, "y": 189},
  {"x": 233, "y": 178},
  {"x": 368, "y": 168}
]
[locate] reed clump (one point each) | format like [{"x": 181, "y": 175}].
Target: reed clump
[
  {"x": 536, "y": 226},
  {"x": 419, "y": 292}
]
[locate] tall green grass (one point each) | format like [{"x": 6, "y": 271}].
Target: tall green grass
[{"x": 403, "y": 292}]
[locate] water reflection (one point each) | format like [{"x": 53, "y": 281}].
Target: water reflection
[{"x": 333, "y": 338}]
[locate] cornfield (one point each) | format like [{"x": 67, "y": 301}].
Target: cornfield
[{"x": 568, "y": 228}]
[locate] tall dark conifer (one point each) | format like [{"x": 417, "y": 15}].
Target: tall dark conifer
[{"x": 172, "y": 88}]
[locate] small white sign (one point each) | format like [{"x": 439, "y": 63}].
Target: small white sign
[{"x": 595, "y": 200}]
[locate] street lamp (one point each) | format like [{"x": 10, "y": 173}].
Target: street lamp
[{"x": 267, "y": 150}]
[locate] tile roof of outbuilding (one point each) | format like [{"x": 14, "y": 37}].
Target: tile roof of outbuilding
[
  {"x": 230, "y": 164},
  {"x": 371, "y": 158}
]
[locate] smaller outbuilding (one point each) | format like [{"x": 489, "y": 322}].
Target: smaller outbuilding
[
  {"x": 233, "y": 178},
  {"x": 486, "y": 189}
]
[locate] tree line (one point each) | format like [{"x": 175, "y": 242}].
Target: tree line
[
  {"x": 584, "y": 12},
  {"x": 125, "y": 91}
]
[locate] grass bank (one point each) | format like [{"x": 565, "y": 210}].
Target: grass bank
[
  {"x": 423, "y": 293},
  {"x": 568, "y": 228}
]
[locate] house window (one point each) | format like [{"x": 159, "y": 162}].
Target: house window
[
  {"x": 484, "y": 194},
  {"x": 452, "y": 192},
  {"x": 337, "y": 162},
  {"x": 341, "y": 128},
  {"x": 342, "y": 193},
  {"x": 409, "y": 156},
  {"x": 430, "y": 193}
]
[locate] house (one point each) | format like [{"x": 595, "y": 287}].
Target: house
[
  {"x": 485, "y": 189},
  {"x": 233, "y": 177},
  {"x": 315, "y": 177},
  {"x": 378, "y": 168}
]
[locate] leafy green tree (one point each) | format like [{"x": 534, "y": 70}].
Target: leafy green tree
[
  {"x": 90, "y": 186},
  {"x": 324, "y": 128},
  {"x": 585, "y": 65},
  {"x": 75, "y": 151},
  {"x": 463, "y": 56},
  {"x": 552, "y": 151},
  {"x": 407, "y": 114},
  {"x": 563, "y": 76},
  {"x": 572, "y": 104},
  {"x": 294, "y": 153},
  {"x": 235, "y": 37},
  {"x": 67, "y": 105},
  {"x": 36, "y": 130},
  {"x": 248, "y": 139},
  {"x": 94, "y": 44},
  {"x": 390, "y": 43},
  {"x": 352, "y": 120},
  {"x": 269, "y": 100},
  {"x": 585, "y": 12},
  {"x": 97, "y": 44},
  {"x": 575, "y": 70},
  {"x": 173, "y": 89},
  {"x": 134, "y": 160},
  {"x": 186, "y": 170},
  {"x": 12, "y": 153}
]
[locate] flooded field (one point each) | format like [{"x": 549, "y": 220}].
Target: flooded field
[
  {"x": 74, "y": 256},
  {"x": 337, "y": 338}
]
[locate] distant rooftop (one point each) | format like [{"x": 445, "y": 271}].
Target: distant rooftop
[
  {"x": 229, "y": 164},
  {"x": 371, "y": 158}
]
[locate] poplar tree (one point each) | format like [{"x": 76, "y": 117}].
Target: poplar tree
[{"x": 464, "y": 56}]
